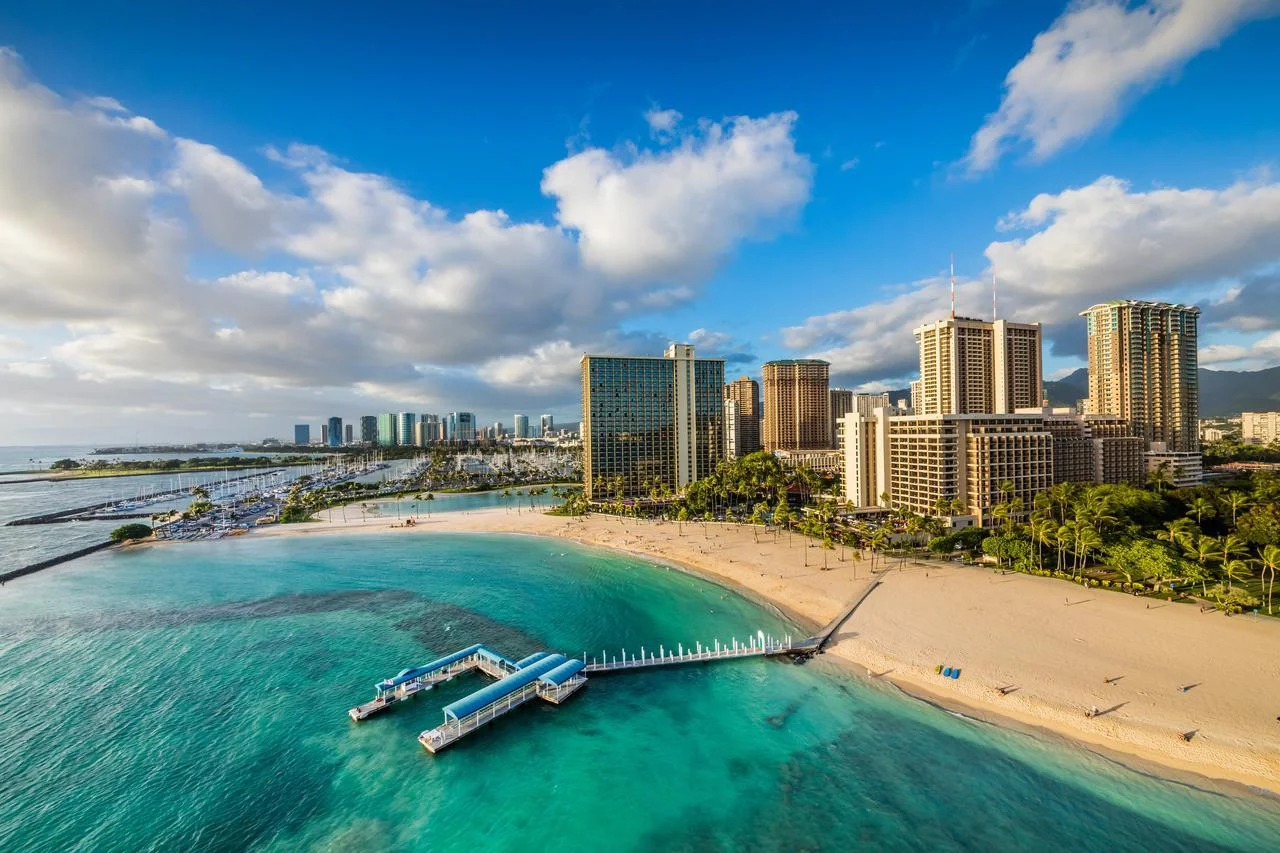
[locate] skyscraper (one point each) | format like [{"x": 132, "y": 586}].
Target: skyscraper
[
  {"x": 797, "y": 405},
  {"x": 350, "y": 434},
  {"x": 1143, "y": 367},
  {"x": 369, "y": 429},
  {"x": 462, "y": 426},
  {"x": 406, "y": 422},
  {"x": 430, "y": 429},
  {"x": 650, "y": 422},
  {"x": 971, "y": 367},
  {"x": 497, "y": 430},
  {"x": 335, "y": 432},
  {"x": 324, "y": 434},
  {"x": 521, "y": 426},
  {"x": 301, "y": 434},
  {"x": 388, "y": 422},
  {"x": 548, "y": 426},
  {"x": 745, "y": 393}
]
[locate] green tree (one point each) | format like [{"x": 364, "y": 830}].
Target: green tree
[
  {"x": 1236, "y": 570},
  {"x": 1202, "y": 550},
  {"x": 1200, "y": 507},
  {"x": 126, "y": 532},
  {"x": 1261, "y": 524},
  {"x": 1236, "y": 501},
  {"x": 64, "y": 465},
  {"x": 1270, "y": 562}
]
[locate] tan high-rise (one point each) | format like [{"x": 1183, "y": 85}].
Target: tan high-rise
[
  {"x": 745, "y": 394},
  {"x": 972, "y": 367},
  {"x": 1143, "y": 368},
  {"x": 797, "y": 405}
]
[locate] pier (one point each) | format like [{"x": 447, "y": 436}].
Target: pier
[{"x": 549, "y": 676}]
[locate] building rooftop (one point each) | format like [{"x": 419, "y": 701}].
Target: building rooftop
[
  {"x": 1139, "y": 303},
  {"x": 798, "y": 361}
]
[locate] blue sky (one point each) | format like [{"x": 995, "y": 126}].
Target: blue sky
[{"x": 237, "y": 218}]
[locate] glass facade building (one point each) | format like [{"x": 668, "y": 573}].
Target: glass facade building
[{"x": 650, "y": 424}]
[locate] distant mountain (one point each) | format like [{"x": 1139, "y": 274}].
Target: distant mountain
[
  {"x": 1068, "y": 390},
  {"x": 1222, "y": 392}
]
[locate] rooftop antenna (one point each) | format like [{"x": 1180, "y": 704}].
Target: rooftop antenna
[
  {"x": 953, "y": 285},
  {"x": 995, "y": 315}
]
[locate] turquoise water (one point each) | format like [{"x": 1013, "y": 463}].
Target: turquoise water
[{"x": 195, "y": 696}]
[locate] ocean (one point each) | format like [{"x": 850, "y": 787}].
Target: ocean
[{"x": 194, "y": 696}]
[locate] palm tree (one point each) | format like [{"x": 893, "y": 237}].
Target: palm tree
[
  {"x": 1160, "y": 479},
  {"x": 1177, "y": 532},
  {"x": 1237, "y": 501},
  {"x": 1202, "y": 550},
  {"x": 1235, "y": 570},
  {"x": 1200, "y": 507},
  {"x": 879, "y": 540},
  {"x": 1088, "y": 541},
  {"x": 1270, "y": 561},
  {"x": 1229, "y": 548}
]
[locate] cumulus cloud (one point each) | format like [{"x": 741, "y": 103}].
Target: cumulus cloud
[
  {"x": 1095, "y": 59},
  {"x": 1105, "y": 241},
  {"x": 662, "y": 123},
  {"x": 674, "y": 213},
  {"x": 345, "y": 287},
  {"x": 1085, "y": 245}
]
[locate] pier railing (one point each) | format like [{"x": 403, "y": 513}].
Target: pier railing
[{"x": 758, "y": 645}]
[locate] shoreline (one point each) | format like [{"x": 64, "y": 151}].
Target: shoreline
[{"x": 1002, "y": 631}]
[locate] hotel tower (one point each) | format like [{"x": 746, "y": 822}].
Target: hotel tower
[{"x": 650, "y": 422}]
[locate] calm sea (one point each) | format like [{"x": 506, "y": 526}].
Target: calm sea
[{"x": 194, "y": 697}]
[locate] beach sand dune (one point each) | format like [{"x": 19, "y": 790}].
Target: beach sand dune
[{"x": 1166, "y": 683}]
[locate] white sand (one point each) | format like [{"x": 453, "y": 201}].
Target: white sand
[{"x": 1054, "y": 642}]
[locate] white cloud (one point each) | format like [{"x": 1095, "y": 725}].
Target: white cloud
[
  {"x": 1092, "y": 61},
  {"x": 705, "y": 339},
  {"x": 675, "y": 213},
  {"x": 1088, "y": 244},
  {"x": 662, "y": 123},
  {"x": 228, "y": 202},
  {"x": 371, "y": 294},
  {"x": 850, "y": 164},
  {"x": 11, "y": 345},
  {"x": 1105, "y": 241}
]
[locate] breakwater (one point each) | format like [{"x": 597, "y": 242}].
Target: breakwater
[{"x": 53, "y": 561}]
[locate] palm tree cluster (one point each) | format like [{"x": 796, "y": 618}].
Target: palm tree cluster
[{"x": 1158, "y": 536}]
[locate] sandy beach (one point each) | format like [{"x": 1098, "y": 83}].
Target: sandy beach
[{"x": 1154, "y": 672}]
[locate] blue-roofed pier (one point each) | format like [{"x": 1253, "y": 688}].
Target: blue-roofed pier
[{"x": 549, "y": 676}]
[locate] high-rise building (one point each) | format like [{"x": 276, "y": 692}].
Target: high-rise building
[
  {"x": 462, "y": 426},
  {"x": 301, "y": 435},
  {"x": 1092, "y": 448},
  {"x": 428, "y": 431},
  {"x": 844, "y": 401},
  {"x": 1143, "y": 367},
  {"x": 970, "y": 367},
  {"x": 928, "y": 462},
  {"x": 349, "y": 434},
  {"x": 406, "y": 423},
  {"x": 650, "y": 422},
  {"x": 1259, "y": 427},
  {"x": 497, "y": 430},
  {"x": 797, "y": 405},
  {"x": 521, "y": 426},
  {"x": 548, "y": 426},
  {"x": 388, "y": 424},
  {"x": 745, "y": 421},
  {"x": 335, "y": 432},
  {"x": 324, "y": 435},
  {"x": 369, "y": 429}
]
